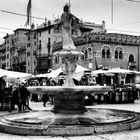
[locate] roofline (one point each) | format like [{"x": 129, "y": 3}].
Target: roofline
[
  {"x": 44, "y": 28},
  {"x": 25, "y": 29}
]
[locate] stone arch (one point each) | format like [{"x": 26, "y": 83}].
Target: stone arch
[
  {"x": 131, "y": 58},
  {"x": 118, "y": 53},
  {"x": 106, "y": 52}
]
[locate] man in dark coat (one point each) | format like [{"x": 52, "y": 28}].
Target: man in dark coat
[
  {"x": 15, "y": 99},
  {"x": 24, "y": 94}
]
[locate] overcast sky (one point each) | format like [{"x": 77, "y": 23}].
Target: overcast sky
[{"x": 126, "y": 15}]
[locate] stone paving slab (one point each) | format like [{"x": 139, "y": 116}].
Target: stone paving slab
[{"x": 126, "y": 135}]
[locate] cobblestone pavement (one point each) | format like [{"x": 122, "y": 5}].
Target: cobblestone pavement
[{"x": 126, "y": 135}]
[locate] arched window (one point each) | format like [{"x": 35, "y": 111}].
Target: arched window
[
  {"x": 82, "y": 57},
  {"x": 86, "y": 54},
  {"x": 131, "y": 58},
  {"x": 103, "y": 53},
  {"x": 118, "y": 53},
  {"x": 106, "y": 52},
  {"x": 55, "y": 59},
  {"x": 89, "y": 52}
]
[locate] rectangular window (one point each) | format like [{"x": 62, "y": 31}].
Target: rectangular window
[
  {"x": 28, "y": 54},
  {"x": 49, "y": 30},
  {"x": 7, "y": 56},
  {"x": 12, "y": 41},
  {"x": 34, "y": 35},
  {"x": 8, "y": 48},
  {"x": 34, "y": 53},
  {"x": 29, "y": 37},
  {"x": 34, "y": 62},
  {"x": 28, "y": 44},
  {"x": 35, "y": 43},
  {"x": 39, "y": 44}
]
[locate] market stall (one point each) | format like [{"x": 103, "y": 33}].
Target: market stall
[
  {"x": 7, "y": 80},
  {"x": 123, "y": 83}
]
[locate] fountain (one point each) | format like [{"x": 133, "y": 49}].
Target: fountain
[{"x": 69, "y": 116}]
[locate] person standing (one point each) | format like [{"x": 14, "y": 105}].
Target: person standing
[
  {"x": 24, "y": 95},
  {"x": 15, "y": 99},
  {"x": 2, "y": 88}
]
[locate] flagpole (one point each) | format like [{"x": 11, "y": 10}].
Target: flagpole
[
  {"x": 112, "y": 11},
  {"x": 31, "y": 15}
]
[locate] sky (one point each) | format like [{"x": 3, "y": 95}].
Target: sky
[{"x": 126, "y": 14}]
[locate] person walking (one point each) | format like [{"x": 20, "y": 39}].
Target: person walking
[
  {"x": 15, "y": 99},
  {"x": 45, "y": 99},
  {"x": 24, "y": 95}
]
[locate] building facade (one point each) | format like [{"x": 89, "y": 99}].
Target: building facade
[
  {"x": 31, "y": 50},
  {"x": 15, "y": 46},
  {"x": 9, "y": 50},
  {"x": 2, "y": 56},
  {"x": 109, "y": 50}
]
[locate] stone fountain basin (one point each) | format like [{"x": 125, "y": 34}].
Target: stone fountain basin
[
  {"x": 46, "y": 123},
  {"x": 57, "y": 89},
  {"x": 68, "y": 99}
]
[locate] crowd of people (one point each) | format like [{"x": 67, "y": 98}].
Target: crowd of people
[{"x": 17, "y": 94}]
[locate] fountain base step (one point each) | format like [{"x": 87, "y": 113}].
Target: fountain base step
[
  {"x": 69, "y": 111},
  {"x": 94, "y": 121}
]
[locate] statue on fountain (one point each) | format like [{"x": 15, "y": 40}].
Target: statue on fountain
[
  {"x": 69, "y": 54},
  {"x": 66, "y": 22}
]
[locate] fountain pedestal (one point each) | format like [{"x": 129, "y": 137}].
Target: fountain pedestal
[{"x": 69, "y": 101}]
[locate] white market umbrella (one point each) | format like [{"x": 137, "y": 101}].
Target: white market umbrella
[
  {"x": 113, "y": 71},
  {"x": 55, "y": 73},
  {"x": 14, "y": 74},
  {"x": 80, "y": 68},
  {"x": 96, "y": 72},
  {"x": 121, "y": 71},
  {"x": 2, "y": 73},
  {"x": 79, "y": 72}
]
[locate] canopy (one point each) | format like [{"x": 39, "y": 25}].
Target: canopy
[
  {"x": 114, "y": 70},
  {"x": 77, "y": 74},
  {"x": 95, "y": 72},
  {"x": 122, "y": 71},
  {"x": 13, "y": 74}
]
